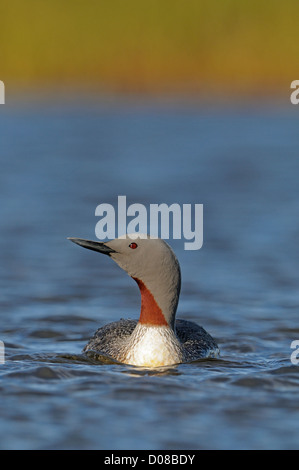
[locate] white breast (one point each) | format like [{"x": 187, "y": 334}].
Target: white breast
[{"x": 153, "y": 346}]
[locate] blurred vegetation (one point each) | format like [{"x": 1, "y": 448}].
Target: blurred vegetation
[{"x": 154, "y": 45}]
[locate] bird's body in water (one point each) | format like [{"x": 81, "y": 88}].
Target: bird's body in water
[{"x": 157, "y": 338}]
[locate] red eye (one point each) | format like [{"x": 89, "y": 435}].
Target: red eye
[{"x": 133, "y": 245}]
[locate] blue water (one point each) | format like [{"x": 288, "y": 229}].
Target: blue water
[{"x": 60, "y": 158}]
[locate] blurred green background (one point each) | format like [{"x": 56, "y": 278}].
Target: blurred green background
[{"x": 224, "y": 46}]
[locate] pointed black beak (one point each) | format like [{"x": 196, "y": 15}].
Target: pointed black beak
[{"x": 100, "y": 247}]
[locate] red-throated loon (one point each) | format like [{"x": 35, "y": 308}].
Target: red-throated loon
[{"x": 157, "y": 338}]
